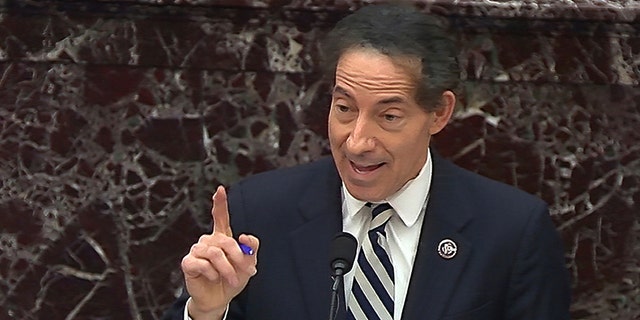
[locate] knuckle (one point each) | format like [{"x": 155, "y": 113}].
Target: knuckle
[
  {"x": 187, "y": 263},
  {"x": 215, "y": 253},
  {"x": 226, "y": 241},
  {"x": 203, "y": 238},
  {"x": 213, "y": 275}
]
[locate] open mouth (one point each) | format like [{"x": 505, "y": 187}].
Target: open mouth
[{"x": 365, "y": 169}]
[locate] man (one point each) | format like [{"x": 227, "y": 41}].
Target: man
[{"x": 453, "y": 245}]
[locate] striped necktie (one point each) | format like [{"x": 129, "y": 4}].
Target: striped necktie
[{"x": 373, "y": 288}]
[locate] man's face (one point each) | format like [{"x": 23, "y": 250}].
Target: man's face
[{"x": 378, "y": 133}]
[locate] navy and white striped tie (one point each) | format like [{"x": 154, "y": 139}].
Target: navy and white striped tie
[{"x": 373, "y": 285}]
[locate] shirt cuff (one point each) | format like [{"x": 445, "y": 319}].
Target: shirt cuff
[{"x": 186, "y": 311}]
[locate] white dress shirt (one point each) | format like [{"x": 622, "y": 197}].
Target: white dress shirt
[{"x": 403, "y": 230}]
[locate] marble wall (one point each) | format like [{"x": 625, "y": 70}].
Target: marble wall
[{"x": 118, "y": 119}]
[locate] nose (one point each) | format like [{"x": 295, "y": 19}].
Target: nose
[{"x": 362, "y": 137}]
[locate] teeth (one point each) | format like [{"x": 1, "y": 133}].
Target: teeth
[{"x": 364, "y": 169}]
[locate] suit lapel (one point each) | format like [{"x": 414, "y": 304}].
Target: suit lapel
[
  {"x": 434, "y": 278},
  {"x": 321, "y": 211}
]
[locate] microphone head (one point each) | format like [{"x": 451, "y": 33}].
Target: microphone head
[{"x": 343, "y": 252}]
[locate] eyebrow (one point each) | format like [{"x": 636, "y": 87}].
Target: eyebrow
[
  {"x": 340, "y": 90},
  {"x": 389, "y": 100},
  {"x": 392, "y": 100}
]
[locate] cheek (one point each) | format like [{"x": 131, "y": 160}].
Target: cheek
[
  {"x": 412, "y": 147},
  {"x": 331, "y": 126},
  {"x": 337, "y": 131},
  {"x": 333, "y": 133},
  {"x": 330, "y": 122}
]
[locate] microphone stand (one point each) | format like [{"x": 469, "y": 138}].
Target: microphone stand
[
  {"x": 343, "y": 251},
  {"x": 335, "y": 301}
]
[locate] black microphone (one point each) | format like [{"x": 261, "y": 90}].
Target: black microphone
[{"x": 341, "y": 256}]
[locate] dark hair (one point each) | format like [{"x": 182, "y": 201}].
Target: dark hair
[{"x": 396, "y": 31}]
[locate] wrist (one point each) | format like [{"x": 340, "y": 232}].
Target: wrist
[{"x": 196, "y": 313}]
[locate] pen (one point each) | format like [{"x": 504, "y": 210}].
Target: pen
[{"x": 246, "y": 249}]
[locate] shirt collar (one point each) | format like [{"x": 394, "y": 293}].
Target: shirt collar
[{"x": 408, "y": 202}]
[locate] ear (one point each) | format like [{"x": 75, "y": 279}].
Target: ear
[{"x": 442, "y": 115}]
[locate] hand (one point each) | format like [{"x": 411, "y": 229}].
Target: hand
[{"x": 216, "y": 270}]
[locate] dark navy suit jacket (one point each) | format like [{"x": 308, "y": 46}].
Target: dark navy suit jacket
[{"x": 509, "y": 263}]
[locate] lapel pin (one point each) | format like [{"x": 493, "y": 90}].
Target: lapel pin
[{"x": 447, "y": 249}]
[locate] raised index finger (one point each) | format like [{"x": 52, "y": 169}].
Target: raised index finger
[{"x": 220, "y": 212}]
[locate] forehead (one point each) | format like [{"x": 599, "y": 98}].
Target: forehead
[
  {"x": 369, "y": 69},
  {"x": 373, "y": 62}
]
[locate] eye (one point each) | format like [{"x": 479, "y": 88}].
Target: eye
[
  {"x": 390, "y": 117},
  {"x": 342, "y": 108}
]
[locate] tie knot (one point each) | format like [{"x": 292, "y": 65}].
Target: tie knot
[
  {"x": 380, "y": 214},
  {"x": 379, "y": 208}
]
